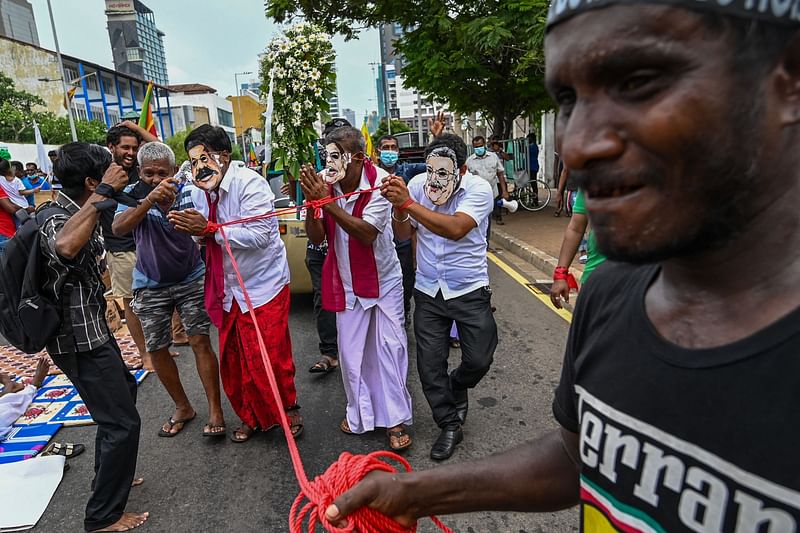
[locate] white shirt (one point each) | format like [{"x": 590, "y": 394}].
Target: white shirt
[
  {"x": 454, "y": 267},
  {"x": 12, "y": 188},
  {"x": 257, "y": 246},
  {"x": 378, "y": 213},
  {"x": 487, "y": 168},
  {"x": 14, "y": 405}
]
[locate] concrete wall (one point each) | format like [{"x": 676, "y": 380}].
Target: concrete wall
[
  {"x": 252, "y": 113},
  {"x": 26, "y": 152},
  {"x": 25, "y": 64}
]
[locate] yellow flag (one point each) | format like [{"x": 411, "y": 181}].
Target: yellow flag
[{"x": 367, "y": 138}]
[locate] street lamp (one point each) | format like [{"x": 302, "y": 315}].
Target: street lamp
[
  {"x": 63, "y": 76},
  {"x": 239, "y": 102}
]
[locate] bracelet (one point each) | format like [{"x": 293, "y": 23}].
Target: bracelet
[
  {"x": 406, "y": 204},
  {"x": 401, "y": 221}
]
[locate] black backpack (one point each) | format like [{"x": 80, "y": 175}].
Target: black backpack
[{"x": 29, "y": 318}]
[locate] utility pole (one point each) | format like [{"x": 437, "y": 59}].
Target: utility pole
[
  {"x": 419, "y": 119},
  {"x": 63, "y": 75},
  {"x": 385, "y": 82}
]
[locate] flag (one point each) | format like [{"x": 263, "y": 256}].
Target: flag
[
  {"x": 146, "y": 120},
  {"x": 252, "y": 155},
  {"x": 68, "y": 97},
  {"x": 41, "y": 151},
  {"x": 367, "y": 138}
]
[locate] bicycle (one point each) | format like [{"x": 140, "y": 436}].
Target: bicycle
[{"x": 533, "y": 196}]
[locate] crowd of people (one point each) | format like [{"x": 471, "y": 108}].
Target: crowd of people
[{"x": 672, "y": 390}]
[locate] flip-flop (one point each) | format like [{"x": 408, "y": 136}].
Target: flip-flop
[
  {"x": 295, "y": 422},
  {"x": 239, "y": 440},
  {"x": 67, "y": 449},
  {"x": 345, "y": 427},
  {"x": 207, "y": 431},
  {"x": 395, "y": 435},
  {"x": 323, "y": 366},
  {"x": 172, "y": 423}
]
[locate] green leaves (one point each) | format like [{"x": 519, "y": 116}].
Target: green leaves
[{"x": 481, "y": 56}]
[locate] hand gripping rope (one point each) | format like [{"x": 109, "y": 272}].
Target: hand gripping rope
[{"x": 348, "y": 469}]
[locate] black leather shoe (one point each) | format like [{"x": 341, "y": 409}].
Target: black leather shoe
[{"x": 445, "y": 445}]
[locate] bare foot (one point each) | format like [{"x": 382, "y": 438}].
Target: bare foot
[
  {"x": 147, "y": 362},
  {"x": 9, "y": 386},
  {"x": 136, "y": 482},
  {"x": 42, "y": 368},
  {"x": 127, "y": 522}
]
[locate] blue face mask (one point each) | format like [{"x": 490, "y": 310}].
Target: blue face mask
[
  {"x": 389, "y": 157},
  {"x": 480, "y": 151}
]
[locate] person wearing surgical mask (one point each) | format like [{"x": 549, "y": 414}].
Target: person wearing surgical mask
[
  {"x": 448, "y": 209},
  {"x": 487, "y": 165}
]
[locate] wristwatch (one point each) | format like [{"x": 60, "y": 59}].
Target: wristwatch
[{"x": 104, "y": 189}]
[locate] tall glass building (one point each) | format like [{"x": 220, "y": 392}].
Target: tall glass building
[{"x": 136, "y": 43}]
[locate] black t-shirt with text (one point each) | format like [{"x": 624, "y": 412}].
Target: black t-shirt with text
[{"x": 674, "y": 439}]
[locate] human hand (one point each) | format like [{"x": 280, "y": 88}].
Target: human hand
[
  {"x": 381, "y": 491},
  {"x": 312, "y": 184},
  {"x": 128, "y": 124},
  {"x": 506, "y": 196},
  {"x": 116, "y": 177},
  {"x": 188, "y": 221},
  {"x": 285, "y": 189},
  {"x": 394, "y": 189},
  {"x": 558, "y": 291},
  {"x": 436, "y": 127},
  {"x": 165, "y": 193}
]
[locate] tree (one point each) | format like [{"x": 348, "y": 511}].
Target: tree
[
  {"x": 398, "y": 126},
  {"x": 483, "y": 56},
  {"x": 176, "y": 143},
  {"x": 18, "y": 113}
]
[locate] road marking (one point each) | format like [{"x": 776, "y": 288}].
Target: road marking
[{"x": 516, "y": 276}]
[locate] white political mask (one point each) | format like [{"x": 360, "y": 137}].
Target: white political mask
[
  {"x": 443, "y": 175},
  {"x": 336, "y": 163}
]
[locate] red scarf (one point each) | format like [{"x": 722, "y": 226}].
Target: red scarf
[
  {"x": 363, "y": 268},
  {"x": 215, "y": 280}
]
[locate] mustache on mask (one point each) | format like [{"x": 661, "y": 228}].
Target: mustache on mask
[{"x": 204, "y": 173}]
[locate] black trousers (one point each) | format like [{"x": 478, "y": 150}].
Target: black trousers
[
  {"x": 433, "y": 318},
  {"x": 405, "y": 254},
  {"x": 109, "y": 391},
  {"x": 326, "y": 320}
]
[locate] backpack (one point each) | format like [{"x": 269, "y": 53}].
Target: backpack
[{"x": 28, "y": 317}]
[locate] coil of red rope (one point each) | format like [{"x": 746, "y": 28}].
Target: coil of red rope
[{"x": 349, "y": 469}]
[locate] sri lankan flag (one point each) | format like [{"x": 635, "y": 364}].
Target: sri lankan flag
[{"x": 146, "y": 120}]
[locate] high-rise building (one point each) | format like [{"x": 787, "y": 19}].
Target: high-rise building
[
  {"x": 137, "y": 45},
  {"x": 334, "y": 100},
  {"x": 350, "y": 115},
  {"x": 17, "y": 21}
]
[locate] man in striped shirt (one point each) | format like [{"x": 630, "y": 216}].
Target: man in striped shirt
[{"x": 84, "y": 348}]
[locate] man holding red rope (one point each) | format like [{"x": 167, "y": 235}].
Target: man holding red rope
[
  {"x": 362, "y": 282},
  {"x": 227, "y": 190},
  {"x": 677, "y": 402}
]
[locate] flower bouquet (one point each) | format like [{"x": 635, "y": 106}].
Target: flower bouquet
[{"x": 298, "y": 70}]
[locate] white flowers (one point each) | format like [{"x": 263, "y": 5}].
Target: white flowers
[{"x": 300, "y": 63}]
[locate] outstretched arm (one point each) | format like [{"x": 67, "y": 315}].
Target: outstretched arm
[
  {"x": 537, "y": 476},
  {"x": 143, "y": 133}
]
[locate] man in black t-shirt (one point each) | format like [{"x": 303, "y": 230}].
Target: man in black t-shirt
[{"x": 678, "y": 398}]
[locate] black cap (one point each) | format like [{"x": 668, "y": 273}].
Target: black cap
[{"x": 333, "y": 124}]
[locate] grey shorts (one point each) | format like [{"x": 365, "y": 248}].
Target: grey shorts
[{"x": 155, "y": 307}]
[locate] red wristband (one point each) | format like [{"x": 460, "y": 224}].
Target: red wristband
[
  {"x": 406, "y": 204},
  {"x": 562, "y": 273}
]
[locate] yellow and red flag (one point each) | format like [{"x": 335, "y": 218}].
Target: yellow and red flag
[
  {"x": 68, "y": 97},
  {"x": 146, "y": 119},
  {"x": 367, "y": 138}
]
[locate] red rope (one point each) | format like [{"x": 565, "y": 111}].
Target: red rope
[{"x": 348, "y": 469}]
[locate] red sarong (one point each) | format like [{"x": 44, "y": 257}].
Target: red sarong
[{"x": 242, "y": 369}]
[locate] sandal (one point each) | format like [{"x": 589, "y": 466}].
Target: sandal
[
  {"x": 245, "y": 430},
  {"x": 455, "y": 343},
  {"x": 214, "y": 431},
  {"x": 345, "y": 427},
  {"x": 67, "y": 449},
  {"x": 295, "y": 421},
  {"x": 399, "y": 439},
  {"x": 324, "y": 365},
  {"x": 172, "y": 423}
]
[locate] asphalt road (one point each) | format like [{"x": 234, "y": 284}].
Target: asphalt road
[{"x": 197, "y": 484}]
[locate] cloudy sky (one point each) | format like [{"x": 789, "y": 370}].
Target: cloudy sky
[{"x": 206, "y": 41}]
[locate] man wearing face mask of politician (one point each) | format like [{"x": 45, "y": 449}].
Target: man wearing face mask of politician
[
  {"x": 389, "y": 152},
  {"x": 227, "y": 190},
  {"x": 362, "y": 283},
  {"x": 448, "y": 208}
]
